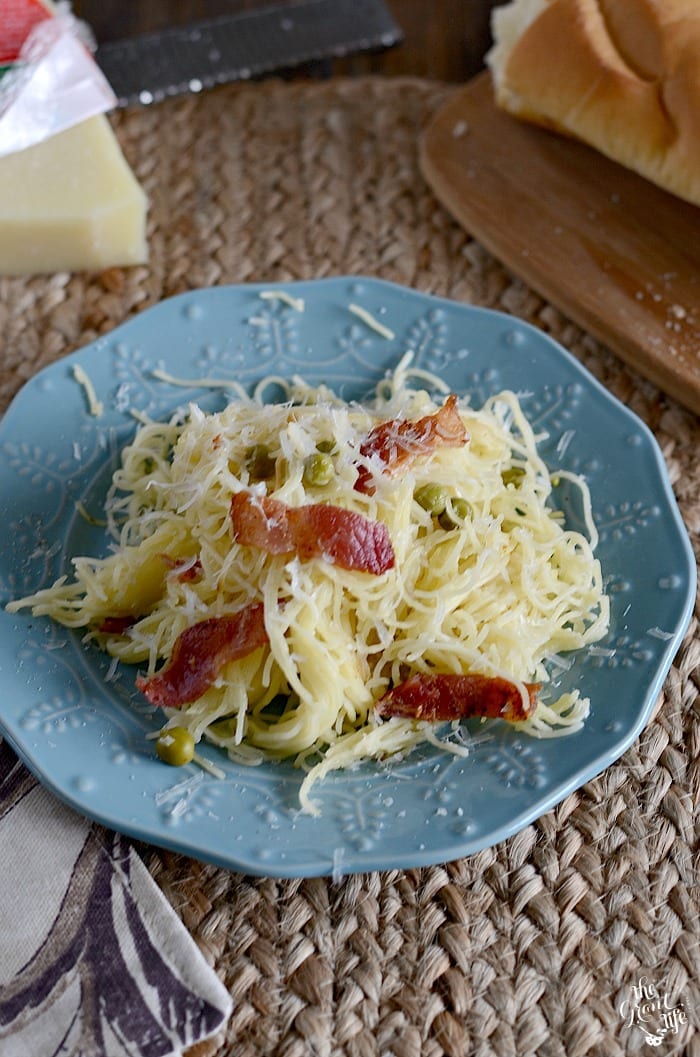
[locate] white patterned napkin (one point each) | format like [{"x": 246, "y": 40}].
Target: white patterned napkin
[{"x": 93, "y": 960}]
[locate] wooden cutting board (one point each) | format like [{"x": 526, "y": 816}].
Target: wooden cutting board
[{"x": 613, "y": 252}]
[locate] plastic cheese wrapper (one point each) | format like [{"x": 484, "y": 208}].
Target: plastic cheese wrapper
[
  {"x": 53, "y": 82},
  {"x": 68, "y": 198}
]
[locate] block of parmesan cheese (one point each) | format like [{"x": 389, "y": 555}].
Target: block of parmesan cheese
[{"x": 71, "y": 203}]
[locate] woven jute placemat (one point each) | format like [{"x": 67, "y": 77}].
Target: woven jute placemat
[{"x": 530, "y": 947}]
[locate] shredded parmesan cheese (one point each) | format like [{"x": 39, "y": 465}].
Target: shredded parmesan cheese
[
  {"x": 281, "y": 295},
  {"x": 371, "y": 322},
  {"x": 95, "y": 406}
]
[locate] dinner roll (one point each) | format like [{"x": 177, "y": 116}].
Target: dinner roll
[{"x": 621, "y": 75}]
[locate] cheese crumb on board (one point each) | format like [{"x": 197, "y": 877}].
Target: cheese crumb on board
[{"x": 71, "y": 203}]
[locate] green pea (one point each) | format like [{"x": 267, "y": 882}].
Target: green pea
[
  {"x": 318, "y": 469},
  {"x": 260, "y": 463},
  {"x": 455, "y": 514},
  {"x": 513, "y": 475},
  {"x": 175, "y": 745},
  {"x": 326, "y": 446},
  {"x": 432, "y": 498}
]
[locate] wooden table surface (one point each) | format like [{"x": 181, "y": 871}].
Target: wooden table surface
[{"x": 442, "y": 39}]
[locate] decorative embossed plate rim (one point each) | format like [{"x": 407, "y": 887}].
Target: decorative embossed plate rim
[{"x": 82, "y": 731}]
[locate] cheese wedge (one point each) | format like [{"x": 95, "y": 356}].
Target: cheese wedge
[{"x": 71, "y": 203}]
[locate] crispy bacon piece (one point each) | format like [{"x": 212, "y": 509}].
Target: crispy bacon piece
[
  {"x": 317, "y": 530},
  {"x": 440, "y": 697},
  {"x": 400, "y": 442},
  {"x": 199, "y": 654}
]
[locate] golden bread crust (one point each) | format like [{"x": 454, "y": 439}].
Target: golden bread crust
[{"x": 621, "y": 75}]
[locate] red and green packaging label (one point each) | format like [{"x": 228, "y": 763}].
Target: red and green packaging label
[{"x": 17, "y": 19}]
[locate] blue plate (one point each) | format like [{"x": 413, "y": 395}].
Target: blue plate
[{"x": 81, "y": 730}]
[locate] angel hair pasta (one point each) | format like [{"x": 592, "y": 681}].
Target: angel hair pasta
[{"x": 330, "y": 582}]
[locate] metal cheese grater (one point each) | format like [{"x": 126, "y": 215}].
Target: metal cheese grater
[{"x": 182, "y": 59}]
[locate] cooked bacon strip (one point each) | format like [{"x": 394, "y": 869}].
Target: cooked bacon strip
[
  {"x": 199, "y": 654},
  {"x": 439, "y": 697},
  {"x": 400, "y": 442},
  {"x": 317, "y": 530}
]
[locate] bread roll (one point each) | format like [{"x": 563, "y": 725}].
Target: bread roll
[{"x": 621, "y": 75}]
